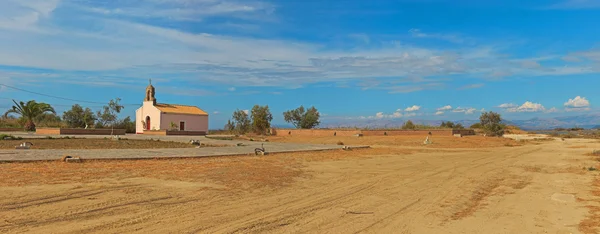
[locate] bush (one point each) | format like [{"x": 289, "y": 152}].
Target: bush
[
  {"x": 492, "y": 124},
  {"x": 9, "y": 137},
  {"x": 409, "y": 125},
  {"x": 340, "y": 143},
  {"x": 596, "y": 153}
]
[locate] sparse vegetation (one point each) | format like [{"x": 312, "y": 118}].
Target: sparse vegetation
[
  {"x": 596, "y": 153},
  {"x": 451, "y": 125},
  {"x": 220, "y": 138},
  {"x": 592, "y": 169},
  {"x": 476, "y": 126},
  {"x": 340, "y": 143},
  {"x": 9, "y": 137}
]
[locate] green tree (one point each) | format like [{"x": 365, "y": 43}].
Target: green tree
[
  {"x": 408, "y": 125},
  {"x": 241, "y": 121},
  {"x": 302, "y": 118},
  {"x": 30, "y": 111},
  {"x": 492, "y": 123},
  {"x": 229, "y": 126},
  {"x": 126, "y": 124},
  {"x": 261, "y": 119},
  {"x": 458, "y": 126},
  {"x": 77, "y": 117},
  {"x": 447, "y": 124},
  {"x": 476, "y": 126},
  {"x": 108, "y": 115}
]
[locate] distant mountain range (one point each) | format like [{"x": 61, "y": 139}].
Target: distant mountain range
[{"x": 582, "y": 121}]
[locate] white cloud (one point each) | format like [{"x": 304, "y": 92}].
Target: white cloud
[
  {"x": 459, "y": 110},
  {"x": 216, "y": 112},
  {"x": 381, "y": 115},
  {"x": 575, "y": 4},
  {"x": 412, "y": 108},
  {"x": 466, "y": 110},
  {"x": 507, "y": 105},
  {"x": 117, "y": 38},
  {"x": 439, "y": 113},
  {"x": 577, "y": 102},
  {"x": 470, "y": 111},
  {"x": 472, "y": 86},
  {"x": 552, "y": 110},
  {"x": 527, "y": 107},
  {"x": 445, "y": 108},
  {"x": 446, "y": 37}
]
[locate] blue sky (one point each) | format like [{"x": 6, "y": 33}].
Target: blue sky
[{"x": 352, "y": 59}]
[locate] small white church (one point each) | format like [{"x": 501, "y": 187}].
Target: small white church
[{"x": 154, "y": 116}]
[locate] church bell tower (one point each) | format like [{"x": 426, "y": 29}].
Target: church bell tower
[{"x": 150, "y": 94}]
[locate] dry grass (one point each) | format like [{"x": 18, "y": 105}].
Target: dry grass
[
  {"x": 476, "y": 200},
  {"x": 592, "y": 222},
  {"x": 577, "y": 147},
  {"x": 414, "y": 141},
  {"x": 78, "y": 143},
  {"x": 231, "y": 171}
]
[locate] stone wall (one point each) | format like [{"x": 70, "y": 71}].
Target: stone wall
[
  {"x": 464, "y": 132},
  {"x": 11, "y": 129},
  {"x": 78, "y": 131},
  {"x": 174, "y": 133},
  {"x": 334, "y": 132}
]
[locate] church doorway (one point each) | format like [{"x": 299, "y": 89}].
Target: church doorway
[{"x": 147, "y": 122}]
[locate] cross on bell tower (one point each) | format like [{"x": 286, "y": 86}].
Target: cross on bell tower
[{"x": 150, "y": 92}]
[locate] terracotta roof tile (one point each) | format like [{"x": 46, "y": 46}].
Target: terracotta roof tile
[{"x": 180, "y": 109}]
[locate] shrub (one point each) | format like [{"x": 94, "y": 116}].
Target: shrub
[
  {"x": 340, "y": 143},
  {"x": 596, "y": 153},
  {"x": 492, "y": 124},
  {"x": 9, "y": 137},
  {"x": 408, "y": 125}
]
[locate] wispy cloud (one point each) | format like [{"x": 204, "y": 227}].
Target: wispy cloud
[
  {"x": 125, "y": 40},
  {"x": 466, "y": 110},
  {"x": 471, "y": 86},
  {"x": 575, "y": 4},
  {"x": 446, "y": 37},
  {"x": 445, "y": 108}
]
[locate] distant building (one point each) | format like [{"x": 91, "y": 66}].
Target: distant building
[{"x": 160, "y": 116}]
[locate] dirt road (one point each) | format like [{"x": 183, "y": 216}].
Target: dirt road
[{"x": 535, "y": 188}]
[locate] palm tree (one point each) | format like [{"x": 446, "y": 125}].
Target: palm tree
[{"x": 30, "y": 111}]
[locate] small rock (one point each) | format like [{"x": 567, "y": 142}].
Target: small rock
[{"x": 561, "y": 197}]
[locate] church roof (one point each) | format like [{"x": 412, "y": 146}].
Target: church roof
[{"x": 179, "y": 109}]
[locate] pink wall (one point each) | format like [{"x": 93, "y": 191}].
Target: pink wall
[{"x": 192, "y": 122}]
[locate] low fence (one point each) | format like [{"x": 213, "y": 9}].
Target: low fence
[
  {"x": 78, "y": 131},
  {"x": 333, "y": 132},
  {"x": 11, "y": 129},
  {"x": 174, "y": 133}
]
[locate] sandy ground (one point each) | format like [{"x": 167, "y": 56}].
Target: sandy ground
[{"x": 456, "y": 185}]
